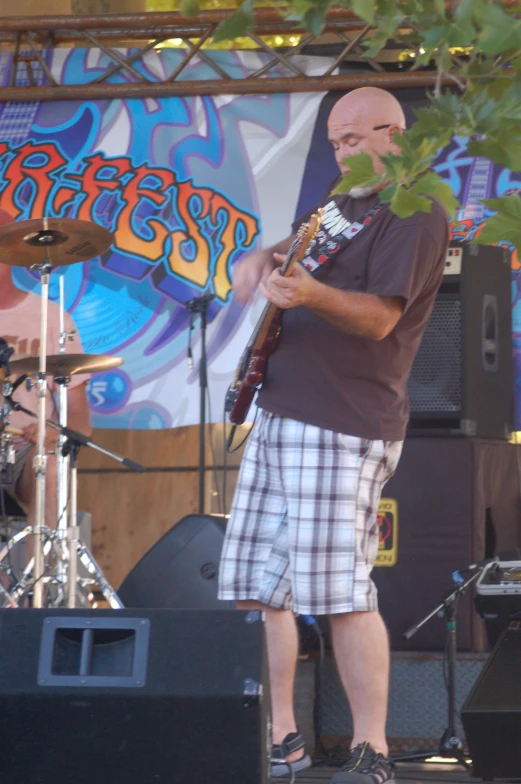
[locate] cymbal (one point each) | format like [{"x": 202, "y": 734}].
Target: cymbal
[
  {"x": 62, "y": 365},
  {"x": 60, "y": 240}
]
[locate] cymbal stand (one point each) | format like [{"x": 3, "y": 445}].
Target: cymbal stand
[
  {"x": 72, "y": 446},
  {"x": 40, "y": 458},
  {"x": 76, "y": 548},
  {"x": 68, "y": 535},
  {"x": 74, "y": 441}
]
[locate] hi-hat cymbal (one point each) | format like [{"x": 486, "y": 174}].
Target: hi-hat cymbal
[
  {"x": 63, "y": 365},
  {"x": 60, "y": 240}
]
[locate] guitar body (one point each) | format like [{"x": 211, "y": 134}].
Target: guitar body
[
  {"x": 252, "y": 366},
  {"x": 251, "y": 374}
]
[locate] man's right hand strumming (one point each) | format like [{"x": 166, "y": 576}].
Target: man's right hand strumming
[{"x": 256, "y": 267}]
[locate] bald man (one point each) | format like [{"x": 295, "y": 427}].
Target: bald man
[{"x": 303, "y": 531}]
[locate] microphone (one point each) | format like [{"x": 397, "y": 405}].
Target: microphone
[
  {"x": 473, "y": 567},
  {"x": 480, "y": 564}
]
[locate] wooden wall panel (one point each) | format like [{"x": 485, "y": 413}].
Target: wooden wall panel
[{"x": 130, "y": 511}]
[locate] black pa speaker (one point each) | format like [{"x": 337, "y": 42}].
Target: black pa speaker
[
  {"x": 181, "y": 569},
  {"x": 133, "y": 697},
  {"x": 492, "y": 713},
  {"x": 461, "y": 381}
]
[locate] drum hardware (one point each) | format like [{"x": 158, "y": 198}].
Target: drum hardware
[
  {"x": 75, "y": 550},
  {"x": 62, "y": 463},
  {"x": 41, "y": 245},
  {"x": 6, "y": 445}
]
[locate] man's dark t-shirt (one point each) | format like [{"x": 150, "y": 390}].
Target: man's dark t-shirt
[{"x": 322, "y": 376}]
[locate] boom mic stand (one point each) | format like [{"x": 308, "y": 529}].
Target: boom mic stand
[
  {"x": 76, "y": 549},
  {"x": 450, "y": 746},
  {"x": 199, "y": 306}
]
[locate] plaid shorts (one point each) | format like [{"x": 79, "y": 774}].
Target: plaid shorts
[{"x": 303, "y": 529}]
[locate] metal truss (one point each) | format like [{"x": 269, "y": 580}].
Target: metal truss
[{"x": 32, "y": 40}]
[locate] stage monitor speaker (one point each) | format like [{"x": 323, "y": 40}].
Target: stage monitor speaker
[
  {"x": 492, "y": 713},
  {"x": 461, "y": 381},
  {"x": 133, "y": 697},
  {"x": 181, "y": 569}
]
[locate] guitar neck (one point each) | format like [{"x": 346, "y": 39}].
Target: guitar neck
[{"x": 270, "y": 311}]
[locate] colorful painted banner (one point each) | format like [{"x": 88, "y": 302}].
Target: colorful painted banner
[{"x": 188, "y": 186}]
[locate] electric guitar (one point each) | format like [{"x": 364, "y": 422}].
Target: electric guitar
[{"x": 251, "y": 368}]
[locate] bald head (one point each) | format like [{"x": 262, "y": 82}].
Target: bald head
[
  {"x": 368, "y": 106},
  {"x": 365, "y": 120}
]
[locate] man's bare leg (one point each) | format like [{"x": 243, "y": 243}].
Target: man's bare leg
[
  {"x": 282, "y": 641},
  {"x": 361, "y": 646}
]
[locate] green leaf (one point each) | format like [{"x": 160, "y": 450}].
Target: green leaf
[
  {"x": 500, "y": 31},
  {"x": 394, "y": 166},
  {"x": 433, "y": 37},
  {"x": 505, "y": 226},
  {"x": 427, "y": 149},
  {"x": 234, "y": 26},
  {"x": 387, "y": 193},
  {"x": 468, "y": 9},
  {"x": 431, "y": 184},
  {"x": 315, "y": 18},
  {"x": 427, "y": 183},
  {"x": 405, "y": 203},
  {"x": 503, "y": 147},
  {"x": 388, "y": 16},
  {"x": 375, "y": 44},
  {"x": 364, "y": 9},
  {"x": 361, "y": 173},
  {"x": 462, "y": 34},
  {"x": 189, "y": 7},
  {"x": 509, "y": 107},
  {"x": 431, "y": 125}
]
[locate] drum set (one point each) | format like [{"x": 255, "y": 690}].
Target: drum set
[{"x": 51, "y": 577}]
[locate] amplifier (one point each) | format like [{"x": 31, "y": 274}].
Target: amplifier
[
  {"x": 461, "y": 378},
  {"x": 498, "y": 597}
]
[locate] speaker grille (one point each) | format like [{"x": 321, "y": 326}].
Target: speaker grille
[{"x": 435, "y": 381}]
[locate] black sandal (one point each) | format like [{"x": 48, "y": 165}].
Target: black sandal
[{"x": 279, "y": 751}]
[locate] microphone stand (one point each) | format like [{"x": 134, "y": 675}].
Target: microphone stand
[
  {"x": 450, "y": 746},
  {"x": 72, "y": 441},
  {"x": 199, "y": 306}
]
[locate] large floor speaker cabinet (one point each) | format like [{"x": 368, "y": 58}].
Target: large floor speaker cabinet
[
  {"x": 461, "y": 379},
  {"x": 492, "y": 713},
  {"x": 133, "y": 697}
]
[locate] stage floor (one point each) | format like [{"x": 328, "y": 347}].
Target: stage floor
[{"x": 409, "y": 772}]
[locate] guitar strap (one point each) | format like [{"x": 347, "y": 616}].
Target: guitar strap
[{"x": 326, "y": 244}]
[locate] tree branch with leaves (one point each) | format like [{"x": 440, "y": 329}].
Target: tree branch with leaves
[{"x": 476, "y": 96}]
